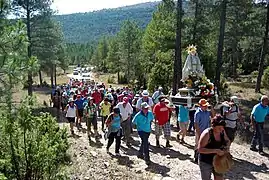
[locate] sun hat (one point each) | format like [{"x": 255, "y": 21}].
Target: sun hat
[
  {"x": 145, "y": 105},
  {"x": 223, "y": 163},
  {"x": 162, "y": 98},
  {"x": 160, "y": 88},
  {"x": 203, "y": 102},
  {"x": 145, "y": 93},
  {"x": 70, "y": 100},
  {"x": 125, "y": 100},
  {"x": 137, "y": 96},
  {"x": 90, "y": 98}
]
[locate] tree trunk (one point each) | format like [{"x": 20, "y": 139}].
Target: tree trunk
[
  {"x": 195, "y": 22},
  {"x": 55, "y": 75},
  {"x": 178, "y": 62},
  {"x": 40, "y": 78},
  {"x": 29, "y": 48},
  {"x": 263, "y": 53},
  {"x": 220, "y": 45},
  {"x": 51, "y": 77},
  {"x": 234, "y": 59},
  {"x": 118, "y": 76}
]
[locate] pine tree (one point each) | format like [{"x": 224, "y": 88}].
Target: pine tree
[
  {"x": 159, "y": 41},
  {"x": 129, "y": 47}
]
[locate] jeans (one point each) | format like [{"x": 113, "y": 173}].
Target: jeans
[
  {"x": 144, "y": 148},
  {"x": 111, "y": 137},
  {"x": 258, "y": 136}
]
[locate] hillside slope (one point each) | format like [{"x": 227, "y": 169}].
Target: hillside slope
[{"x": 87, "y": 27}]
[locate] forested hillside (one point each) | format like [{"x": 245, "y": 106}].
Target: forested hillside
[{"x": 88, "y": 27}]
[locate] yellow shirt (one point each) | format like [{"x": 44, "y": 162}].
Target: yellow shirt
[{"x": 105, "y": 108}]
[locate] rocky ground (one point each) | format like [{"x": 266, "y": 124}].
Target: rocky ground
[{"x": 89, "y": 160}]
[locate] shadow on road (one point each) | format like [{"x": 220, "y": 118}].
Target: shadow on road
[{"x": 243, "y": 170}]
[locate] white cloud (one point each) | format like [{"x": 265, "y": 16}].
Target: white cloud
[{"x": 73, "y": 6}]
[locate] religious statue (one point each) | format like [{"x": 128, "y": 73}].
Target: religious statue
[{"x": 192, "y": 65}]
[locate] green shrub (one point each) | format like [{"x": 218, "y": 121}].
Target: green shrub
[
  {"x": 254, "y": 76},
  {"x": 123, "y": 79},
  {"x": 31, "y": 146},
  {"x": 111, "y": 80},
  {"x": 265, "y": 78}
]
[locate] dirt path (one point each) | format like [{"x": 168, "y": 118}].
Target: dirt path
[{"x": 90, "y": 161}]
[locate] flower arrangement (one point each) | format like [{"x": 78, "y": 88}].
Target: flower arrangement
[{"x": 204, "y": 87}]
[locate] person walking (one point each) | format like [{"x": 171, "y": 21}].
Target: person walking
[
  {"x": 126, "y": 112},
  {"x": 79, "y": 103},
  {"x": 213, "y": 141},
  {"x": 105, "y": 107},
  {"x": 231, "y": 113},
  {"x": 91, "y": 117},
  {"x": 183, "y": 119},
  {"x": 157, "y": 94},
  {"x": 143, "y": 120},
  {"x": 258, "y": 115},
  {"x": 114, "y": 130},
  {"x": 145, "y": 98},
  {"x": 201, "y": 122},
  {"x": 71, "y": 114},
  {"x": 161, "y": 112}
]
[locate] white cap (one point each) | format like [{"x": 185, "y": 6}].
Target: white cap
[
  {"x": 235, "y": 99},
  {"x": 264, "y": 97}
]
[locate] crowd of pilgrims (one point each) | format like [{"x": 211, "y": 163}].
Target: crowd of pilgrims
[{"x": 122, "y": 110}]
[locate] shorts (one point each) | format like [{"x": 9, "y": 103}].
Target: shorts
[
  {"x": 166, "y": 128},
  {"x": 230, "y": 133},
  {"x": 80, "y": 112},
  {"x": 71, "y": 119},
  {"x": 206, "y": 170},
  {"x": 183, "y": 125}
]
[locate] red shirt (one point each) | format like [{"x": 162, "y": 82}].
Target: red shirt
[
  {"x": 97, "y": 97},
  {"x": 161, "y": 112}
]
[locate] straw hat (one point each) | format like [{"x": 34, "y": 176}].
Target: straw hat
[{"x": 223, "y": 163}]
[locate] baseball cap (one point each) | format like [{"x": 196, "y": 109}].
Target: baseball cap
[{"x": 145, "y": 105}]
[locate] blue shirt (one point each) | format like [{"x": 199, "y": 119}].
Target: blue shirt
[
  {"x": 202, "y": 118},
  {"x": 115, "y": 124},
  {"x": 143, "y": 122},
  {"x": 260, "y": 112},
  {"x": 183, "y": 115},
  {"x": 79, "y": 103}
]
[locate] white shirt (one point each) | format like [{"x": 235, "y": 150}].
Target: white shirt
[
  {"x": 71, "y": 112},
  {"x": 232, "y": 117},
  {"x": 140, "y": 101},
  {"x": 156, "y": 96},
  {"x": 125, "y": 111}
]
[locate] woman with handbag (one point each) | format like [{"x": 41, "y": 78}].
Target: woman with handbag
[
  {"x": 213, "y": 142},
  {"x": 114, "y": 130}
]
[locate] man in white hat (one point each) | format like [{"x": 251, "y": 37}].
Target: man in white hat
[
  {"x": 231, "y": 114},
  {"x": 145, "y": 98}
]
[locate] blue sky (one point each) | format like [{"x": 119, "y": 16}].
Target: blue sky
[{"x": 73, "y": 6}]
